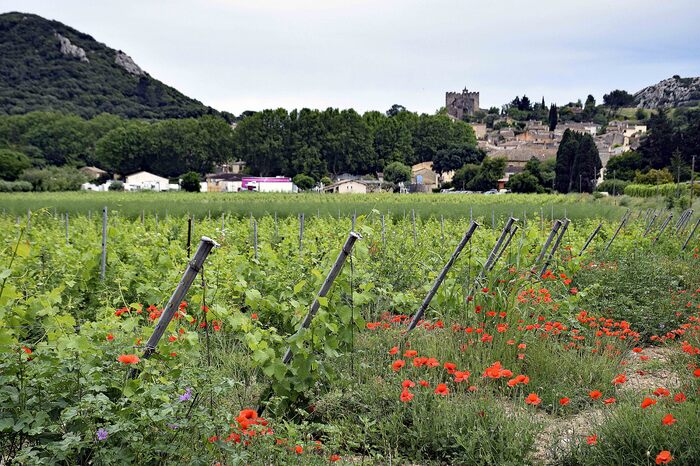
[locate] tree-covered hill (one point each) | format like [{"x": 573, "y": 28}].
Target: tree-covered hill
[{"x": 46, "y": 65}]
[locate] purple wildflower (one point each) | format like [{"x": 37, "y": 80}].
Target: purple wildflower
[
  {"x": 102, "y": 434},
  {"x": 187, "y": 395}
]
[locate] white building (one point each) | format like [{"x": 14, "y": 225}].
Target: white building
[
  {"x": 347, "y": 187},
  {"x": 146, "y": 181}
]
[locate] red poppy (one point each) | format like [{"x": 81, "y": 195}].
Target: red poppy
[
  {"x": 696, "y": 372},
  {"x": 406, "y": 396},
  {"x": 26, "y": 350},
  {"x": 424, "y": 383},
  {"x": 662, "y": 392},
  {"x": 668, "y": 420},
  {"x": 451, "y": 367},
  {"x": 533, "y": 399},
  {"x": 110, "y": 337},
  {"x": 407, "y": 384},
  {"x": 592, "y": 439},
  {"x": 648, "y": 402},
  {"x": 394, "y": 350},
  {"x": 664, "y": 457},
  {"x": 595, "y": 394},
  {"x": 172, "y": 338},
  {"x": 128, "y": 359},
  {"x": 410, "y": 353},
  {"x": 564, "y": 401},
  {"x": 442, "y": 389},
  {"x": 679, "y": 398},
  {"x": 621, "y": 378},
  {"x": 298, "y": 449},
  {"x": 462, "y": 376},
  {"x": 334, "y": 458},
  {"x": 254, "y": 316},
  {"x": 609, "y": 401},
  {"x": 398, "y": 364},
  {"x": 637, "y": 350}
]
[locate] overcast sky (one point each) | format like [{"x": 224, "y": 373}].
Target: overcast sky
[{"x": 240, "y": 55}]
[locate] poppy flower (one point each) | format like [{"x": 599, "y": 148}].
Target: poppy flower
[
  {"x": 298, "y": 449},
  {"x": 648, "y": 402},
  {"x": 564, "y": 401},
  {"x": 462, "y": 376},
  {"x": 595, "y": 394},
  {"x": 407, "y": 384},
  {"x": 696, "y": 372},
  {"x": 394, "y": 350},
  {"x": 254, "y": 316},
  {"x": 442, "y": 389},
  {"x": 410, "y": 353},
  {"x": 664, "y": 457},
  {"x": 637, "y": 350},
  {"x": 643, "y": 358},
  {"x": 128, "y": 359},
  {"x": 334, "y": 458},
  {"x": 609, "y": 401},
  {"x": 668, "y": 420},
  {"x": 398, "y": 364},
  {"x": 26, "y": 350},
  {"x": 592, "y": 439},
  {"x": 424, "y": 383},
  {"x": 679, "y": 398},
  {"x": 172, "y": 338},
  {"x": 662, "y": 392},
  {"x": 110, "y": 337},
  {"x": 533, "y": 399},
  {"x": 406, "y": 396},
  {"x": 451, "y": 367},
  {"x": 620, "y": 379}
]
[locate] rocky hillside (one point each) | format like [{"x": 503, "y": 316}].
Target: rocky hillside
[
  {"x": 46, "y": 65},
  {"x": 672, "y": 92}
]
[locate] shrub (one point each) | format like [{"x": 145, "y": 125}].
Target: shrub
[
  {"x": 54, "y": 178},
  {"x": 15, "y": 186},
  {"x": 12, "y": 163},
  {"x": 613, "y": 187},
  {"x": 190, "y": 182},
  {"x": 396, "y": 172},
  {"x": 303, "y": 182},
  {"x": 116, "y": 186}
]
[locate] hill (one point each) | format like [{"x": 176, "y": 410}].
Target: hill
[
  {"x": 670, "y": 93},
  {"x": 46, "y": 65}
]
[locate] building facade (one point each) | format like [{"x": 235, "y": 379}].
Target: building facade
[{"x": 462, "y": 103}]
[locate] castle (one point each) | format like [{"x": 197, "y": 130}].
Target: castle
[{"x": 460, "y": 104}]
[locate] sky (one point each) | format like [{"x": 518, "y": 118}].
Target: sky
[{"x": 237, "y": 55}]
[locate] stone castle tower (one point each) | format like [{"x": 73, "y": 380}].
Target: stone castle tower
[{"x": 460, "y": 104}]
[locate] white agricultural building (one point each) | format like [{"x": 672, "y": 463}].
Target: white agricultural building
[{"x": 146, "y": 181}]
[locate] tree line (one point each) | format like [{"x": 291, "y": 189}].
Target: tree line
[{"x": 330, "y": 142}]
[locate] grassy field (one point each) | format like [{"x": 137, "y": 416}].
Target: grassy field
[
  {"x": 581, "y": 365},
  {"x": 260, "y": 204}
]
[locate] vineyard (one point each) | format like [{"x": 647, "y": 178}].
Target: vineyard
[{"x": 483, "y": 330}]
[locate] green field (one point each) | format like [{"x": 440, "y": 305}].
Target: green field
[{"x": 504, "y": 368}]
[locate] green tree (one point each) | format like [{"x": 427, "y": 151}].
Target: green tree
[
  {"x": 465, "y": 175},
  {"x": 492, "y": 169},
  {"x": 566, "y": 157},
  {"x": 124, "y": 149},
  {"x": 454, "y": 157},
  {"x": 303, "y": 182},
  {"x": 260, "y": 140},
  {"x": 392, "y": 142},
  {"x": 54, "y": 178},
  {"x": 587, "y": 165},
  {"x": 654, "y": 177},
  {"x": 624, "y": 166},
  {"x": 618, "y": 98},
  {"x": 524, "y": 183},
  {"x": 396, "y": 172},
  {"x": 12, "y": 163},
  {"x": 190, "y": 182},
  {"x": 553, "y": 117},
  {"x": 660, "y": 141}
]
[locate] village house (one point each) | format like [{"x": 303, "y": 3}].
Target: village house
[
  {"x": 347, "y": 186},
  {"x": 93, "y": 172}
]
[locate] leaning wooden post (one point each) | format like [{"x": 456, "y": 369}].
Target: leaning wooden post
[
  {"x": 622, "y": 223},
  {"x": 663, "y": 227},
  {"x": 189, "y": 235},
  {"x": 440, "y": 278},
  {"x": 545, "y": 246},
  {"x": 325, "y": 287},
  {"x": 505, "y": 245},
  {"x": 590, "y": 238},
  {"x": 193, "y": 268},
  {"x": 649, "y": 225},
  {"x": 692, "y": 232},
  {"x": 103, "y": 269},
  {"x": 564, "y": 227},
  {"x": 497, "y": 247}
]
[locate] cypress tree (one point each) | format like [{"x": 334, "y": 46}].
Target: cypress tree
[
  {"x": 585, "y": 167},
  {"x": 553, "y": 117},
  {"x": 566, "y": 158}
]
